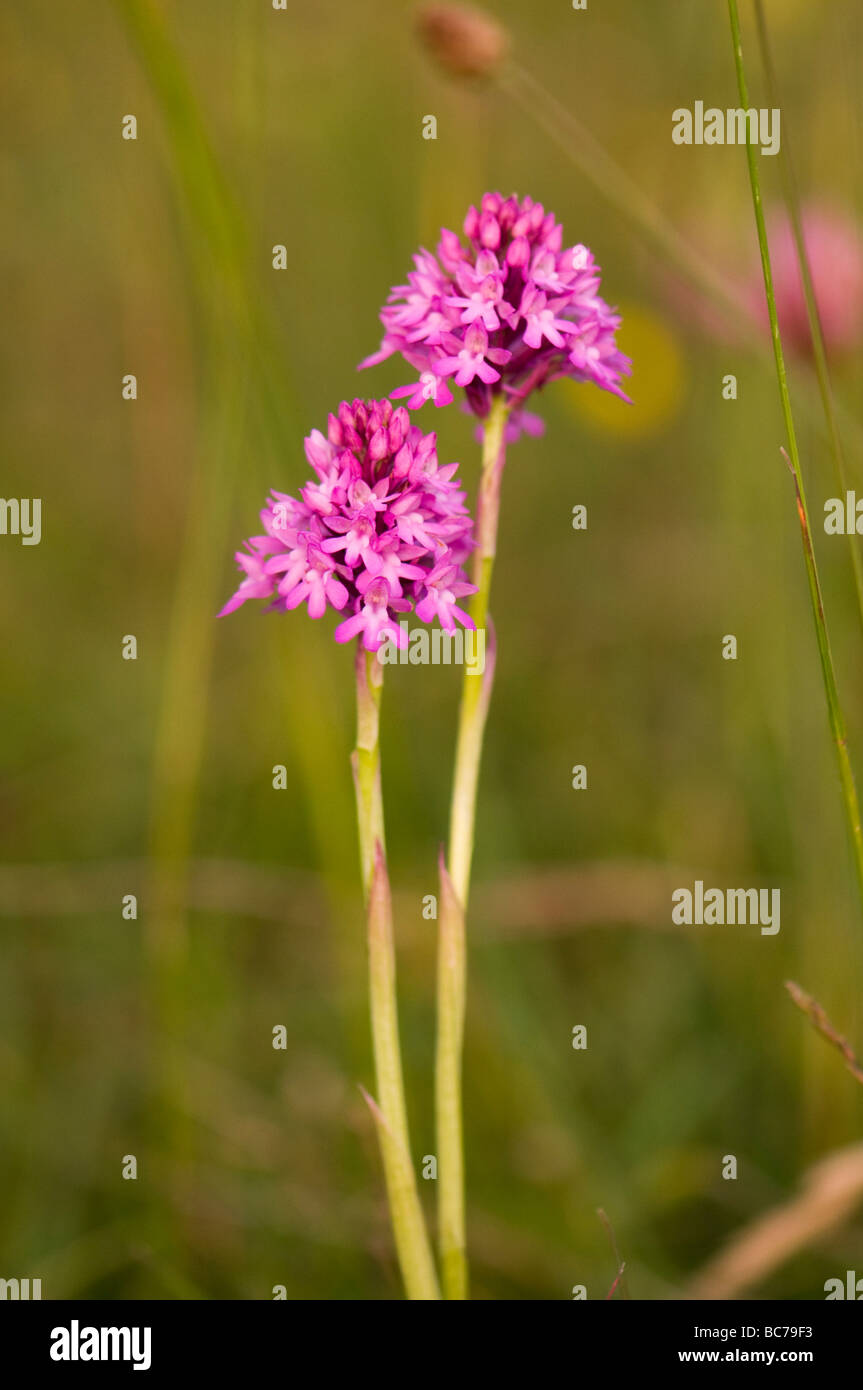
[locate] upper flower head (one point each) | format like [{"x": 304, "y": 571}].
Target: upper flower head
[
  {"x": 382, "y": 530},
  {"x": 506, "y": 313}
]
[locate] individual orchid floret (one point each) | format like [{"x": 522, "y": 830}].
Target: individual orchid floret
[
  {"x": 258, "y": 582},
  {"x": 504, "y": 314},
  {"x": 374, "y": 621},
  {"x": 382, "y": 530},
  {"x": 428, "y": 388},
  {"x": 472, "y": 358},
  {"x": 443, "y": 586}
]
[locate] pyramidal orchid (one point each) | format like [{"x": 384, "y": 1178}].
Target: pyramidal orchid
[
  {"x": 502, "y": 314},
  {"x": 381, "y": 530},
  {"x": 499, "y": 315}
]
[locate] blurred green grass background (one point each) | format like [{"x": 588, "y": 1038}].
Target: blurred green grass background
[{"x": 258, "y": 1167}]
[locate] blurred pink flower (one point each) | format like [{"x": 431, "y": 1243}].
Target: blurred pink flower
[{"x": 835, "y": 250}]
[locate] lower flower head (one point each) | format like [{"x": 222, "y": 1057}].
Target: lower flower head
[{"x": 382, "y": 530}]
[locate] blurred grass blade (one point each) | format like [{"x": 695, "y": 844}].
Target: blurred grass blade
[
  {"x": 829, "y": 1194},
  {"x": 617, "y": 185},
  {"x": 819, "y": 351},
  {"x": 626, "y": 196},
  {"x": 239, "y": 356},
  {"x": 834, "y": 708}
]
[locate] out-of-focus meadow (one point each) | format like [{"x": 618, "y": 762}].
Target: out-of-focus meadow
[{"x": 153, "y": 1037}]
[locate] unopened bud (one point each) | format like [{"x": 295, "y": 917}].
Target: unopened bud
[{"x": 466, "y": 42}]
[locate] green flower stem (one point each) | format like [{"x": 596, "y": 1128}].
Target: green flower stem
[
  {"x": 455, "y": 885},
  {"x": 476, "y": 690},
  {"x": 367, "y": 762},
  {"x": 448, "y": 1103},
  {"x": 834, "y": 708},
  {"x": 409, "y": 1229}
]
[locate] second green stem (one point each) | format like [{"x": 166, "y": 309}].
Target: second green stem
[{"x": 455, "y": 884}]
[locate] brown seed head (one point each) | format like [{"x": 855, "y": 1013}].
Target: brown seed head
[{"x": 466, "y": 42}]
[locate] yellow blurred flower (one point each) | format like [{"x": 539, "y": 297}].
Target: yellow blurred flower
[{"x": 656, "y": 384}]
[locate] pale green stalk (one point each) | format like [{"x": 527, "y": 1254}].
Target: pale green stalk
[
  {"x": 448, "y": 1102},
  {"x": 455, "y": 885},
  {"x": 390, "y": 1111},
  {"x": 834, "y": 708},
  {"x": 476, "y": 690}
]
